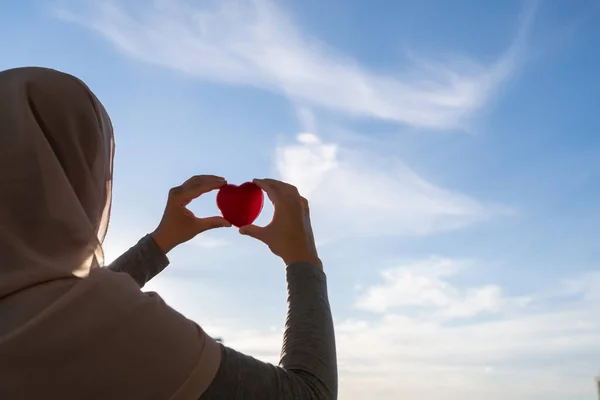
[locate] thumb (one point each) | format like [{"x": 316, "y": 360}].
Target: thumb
[
  {"x": 213, "y": 222},
  {"x": 253, "y": 231}
]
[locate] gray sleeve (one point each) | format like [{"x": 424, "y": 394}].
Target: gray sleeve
[
  {"x": 308, "y": 365},
  {"x": 142, "y": 262}
]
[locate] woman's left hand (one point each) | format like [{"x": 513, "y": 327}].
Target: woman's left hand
[{"x": 178, "y": 224}]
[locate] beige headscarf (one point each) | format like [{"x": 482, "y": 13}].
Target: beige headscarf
[{"x": 69, "y": 329}]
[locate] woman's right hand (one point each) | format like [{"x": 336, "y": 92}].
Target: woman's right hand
[{"x": 289, "y": 235}]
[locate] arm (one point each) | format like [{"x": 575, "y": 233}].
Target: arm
[
  {"x": 308, "y": 366},
  {"x": 142, "y": 262}
]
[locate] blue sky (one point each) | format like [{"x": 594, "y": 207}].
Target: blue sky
[{"x": 450, "y": 151}]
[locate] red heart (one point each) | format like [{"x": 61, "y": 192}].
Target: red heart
[{"x": 240, "y": 205}]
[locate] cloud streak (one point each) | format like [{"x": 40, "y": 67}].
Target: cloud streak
[
  {"x": 256, "y": 43},
  {"x": 370, "y": 195}
]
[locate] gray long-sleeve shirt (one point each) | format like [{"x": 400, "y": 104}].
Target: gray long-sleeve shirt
[{"x": 308, "y": 365}]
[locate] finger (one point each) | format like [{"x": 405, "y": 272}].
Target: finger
[
  {"x": 204, "y": 187},
  {"x": 254, "y": 231},
  {"x": 283, "y": 190},
  {"x": 305, "y": 205},
  {"x": 289, "y": 189},
  {"x": 183, "y": 195},
  {"x": 201, "y": 179},
  {"x": 271, "y": 187},
  {"x": 283, "y": 187},
  {"x": 213, "y": 223}
]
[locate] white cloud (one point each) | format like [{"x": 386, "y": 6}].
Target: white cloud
[
  {"x": 256, "y": 43},
  {"x": 369, "y": 195},
  {"x": 423, "y": 285}
]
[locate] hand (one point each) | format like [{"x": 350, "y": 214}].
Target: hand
[
  {"x": 178, "y": 224},
  {"x": 289, "y": 235}
]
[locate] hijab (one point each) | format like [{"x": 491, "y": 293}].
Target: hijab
[{"x": 70, "y": 329}]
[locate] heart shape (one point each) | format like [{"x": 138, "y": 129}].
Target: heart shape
[{"x": 240, "y": 205}]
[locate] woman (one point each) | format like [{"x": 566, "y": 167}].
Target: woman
[{"x": 70, "y": 329}]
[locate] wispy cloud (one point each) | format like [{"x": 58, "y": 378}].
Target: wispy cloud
[
  {"x": 256, "y": 43},
  {"x": 372, "y": 195}
]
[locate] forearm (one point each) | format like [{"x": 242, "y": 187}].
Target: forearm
[
  {"x": 142, "y": 262},
  {"x": 309, "y": 340},
  {"x": 308, "y": 366}
]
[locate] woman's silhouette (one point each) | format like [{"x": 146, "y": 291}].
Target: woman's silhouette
[{"x": 71, "y": 329}]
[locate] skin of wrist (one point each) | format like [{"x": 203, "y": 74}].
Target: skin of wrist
[
  {"x": 310, "y": 259},
  {"x": 162, "y": 241}
]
